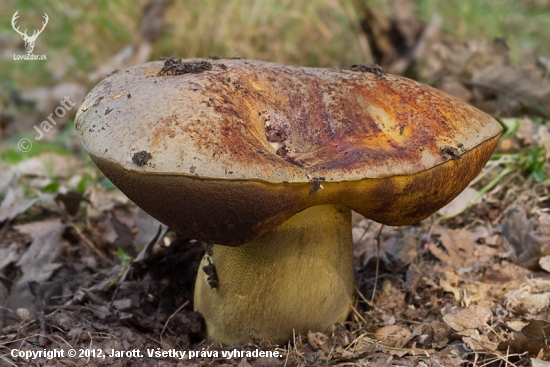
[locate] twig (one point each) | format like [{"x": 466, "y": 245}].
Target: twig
[
  {"x": 90, "y": 348},
  {"x": 5, "y": 360},
  {"x": 139, "y": 258},
  {"x": 377, "y": 262},
  {"x": 120, "y": 280},
  {"x": 354, "y": 341},
  {"x": 90, "y": 244},
  {"x": 364, "y": 299},
  {"x": 358, "y": 315},
  {"x": 366, "y": 229},
  {"x": 172, "y": 315}
]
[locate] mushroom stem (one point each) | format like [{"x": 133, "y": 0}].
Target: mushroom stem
[{"x": 296, "y": 277}]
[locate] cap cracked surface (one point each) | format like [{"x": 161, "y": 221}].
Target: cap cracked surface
[
  {"x": 388, "y": 147},
  {"x": 342, "y": 125}
]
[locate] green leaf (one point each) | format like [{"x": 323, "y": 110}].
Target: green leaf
[
  {"x": 12, "y": 156},
  {"x": 510, "y": 125},
  {"x": 81, "y": 185},
  {"x": 539, "y": 175},
  {"x": 123, "y": 257},
  {"x": 51, "y": 188}
]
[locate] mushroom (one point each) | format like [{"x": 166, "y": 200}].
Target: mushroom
[{"x": 267, "y": 161}]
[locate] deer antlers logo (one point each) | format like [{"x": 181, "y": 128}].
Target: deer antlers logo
[{"x": 29, "y": 40}]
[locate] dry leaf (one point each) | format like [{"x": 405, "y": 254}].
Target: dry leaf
[
  {"x": 10, "y": 254},
  {"x": 244, "y": 363},
  {"x": 544, "y": 263},
  {"x": 458, "y": 203},
  {"x": 533, "y": 338},
  {"x": 33, "y": 228},
  {"x": 49, "y": 164},
  {"x": 393, "y": 336},
  {"x": 319, "y": 341},
  {"x": 535, "y": 362},
  {"x": 14, "y": 204},
  {"x": 479, "y": 342},
  {"x": 472, "y": 317},
  {"x": 532, "y": 296},
  {"x": 527, "y": 232},
  {"x": 37, "y": 264},
  {"x": 459, "y": 247},
  {"x": 513, "y": 86}
]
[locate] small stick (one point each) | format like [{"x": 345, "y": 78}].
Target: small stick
[
  {"x": 361, "y": 318},
  {"x": 172, "y": 315},
  {"x": 377, "y": 262},
  {"x": 90, "y": 244}
]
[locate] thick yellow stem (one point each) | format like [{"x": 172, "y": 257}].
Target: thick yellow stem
[{"x": 298, "y": 277}]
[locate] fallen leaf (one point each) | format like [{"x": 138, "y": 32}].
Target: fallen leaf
[
  {"x": 148, "y": 228},
  {"x": 535, "y": 362},
  {"x": 533, "y": 338},
  {"x": 319, "y": 341},
  {"x": 459, "y": 203},
  {"x": 49, "y": 164},
  {"x": 7, "y": 176},
  {"x": 478, "y": 342},
  {"x": 33, "y": 228},
  {"x": 37, "y": 266},
  {"x": 512, "y": 86},
  {"x": 244, "y": 363},
  {"x": 459, "y": 247},
  {"x": 544, "y": 263},
  {"x": 10, "y": 254},
  {"x": 527, "y": 232},
  {"x": 472, "y": 317},
  {"x": 37, "y": 263},
  {"x": 14, "y": 203},
  {"x": 393, "y": 336},
  {"x": 531, "y": 297}
]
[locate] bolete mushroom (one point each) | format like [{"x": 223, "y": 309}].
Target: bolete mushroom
[{"x": 267, "y": 161}]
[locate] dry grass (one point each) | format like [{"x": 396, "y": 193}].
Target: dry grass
[
  {"x": 317, "y": 33},
  {"x": 84, "y": 34}
]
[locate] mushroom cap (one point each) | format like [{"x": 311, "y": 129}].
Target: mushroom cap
[{"x": 227, "y": 152}]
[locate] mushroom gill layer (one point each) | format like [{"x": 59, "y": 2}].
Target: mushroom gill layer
[{"x": 232, "y": 212}]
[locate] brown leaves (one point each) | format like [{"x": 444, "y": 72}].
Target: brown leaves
[
  {"x": 459, "y": 246},
  {"x": 533, "y": 338},
  {"x": 476, "y": 71},
  {"x": 512, "y": 87},
  {"x": 393, "y": 336},
  {"x": 529, "y": 236},
  {"x": 37, "y": 266},
  {"x": 472, "y": 317},
  {"x": 14, "y": 203}
]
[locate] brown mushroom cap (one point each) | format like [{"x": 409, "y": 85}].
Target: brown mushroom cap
[{"x": 228, "y": 153}]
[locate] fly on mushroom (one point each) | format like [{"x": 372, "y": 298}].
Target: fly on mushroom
[{"x": 210, "y": 271}]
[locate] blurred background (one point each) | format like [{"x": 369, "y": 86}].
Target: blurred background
[{"x": 465, "y": 48}]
